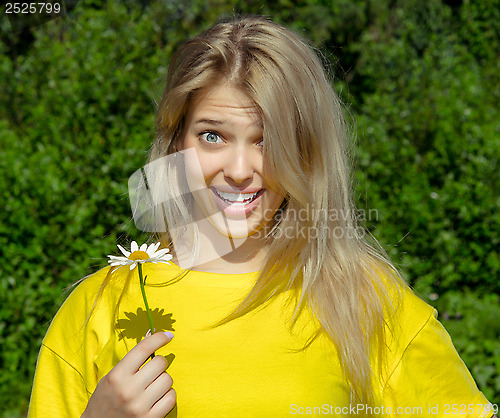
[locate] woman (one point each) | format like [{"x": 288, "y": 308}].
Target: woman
[{"x": 279, "y": 302}]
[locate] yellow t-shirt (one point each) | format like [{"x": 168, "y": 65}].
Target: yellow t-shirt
[{"x": 247, "y": 368}]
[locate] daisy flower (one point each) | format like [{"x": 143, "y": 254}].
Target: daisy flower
[
  {"x": 141, "y": 255},
  {"x": 136, "y": 257}
]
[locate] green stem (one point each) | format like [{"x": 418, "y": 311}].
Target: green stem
[{"x": 142, "y": 282}]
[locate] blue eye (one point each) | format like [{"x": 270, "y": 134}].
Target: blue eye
[{"x": 210, "y": 137}]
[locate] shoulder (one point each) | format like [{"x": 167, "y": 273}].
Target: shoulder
[
  {"x": 76, "y": 309},
  {"x": 410, "y": 316},
  {"x": 405, "y": 317},
  {"x": 89, "y": 291},
  {"x": 407, "y": 323},
  {"x": 405, "y": 313},
  {"x": 89, "y": 286}
]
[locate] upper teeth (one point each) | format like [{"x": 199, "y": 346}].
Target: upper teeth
[{"x": 236, "y": 197}]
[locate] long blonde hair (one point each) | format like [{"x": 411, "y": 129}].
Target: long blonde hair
[{"x": 342, "y": 275}]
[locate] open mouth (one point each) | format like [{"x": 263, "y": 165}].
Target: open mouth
[{"x": 238, "y": 199}]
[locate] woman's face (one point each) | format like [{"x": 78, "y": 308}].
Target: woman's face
[{"x": 225, "y": 173}]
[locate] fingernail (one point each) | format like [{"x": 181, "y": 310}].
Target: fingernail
[
  {"x": 148, "y": 333},
  {"x": 169, "y": 334}
]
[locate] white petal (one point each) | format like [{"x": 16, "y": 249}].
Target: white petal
[
  {"x": 152, "y": 248},
  {"x": 144, "y": 247},
  {"x": 161, "y": 253},
  {"x": 163, "y": 258},
  {"x": 124, "y": 251},
  {"x": 132, "y": 266},
  {"x": 114, "y": 257},
  {"x": 117, "y": 263},
  {"x": 133, "y": 247}
]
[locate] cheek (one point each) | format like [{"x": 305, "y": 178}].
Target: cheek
[
  {"x": 210, "y": 166},
  {"x": 272, "y": 203},
  {"x": 201, "y": 167},
  {"x": 275, "y": 200},
  {"x": 195, "y": 175}
]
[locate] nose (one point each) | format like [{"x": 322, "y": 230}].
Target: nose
[{"x": 241, "y": 163}]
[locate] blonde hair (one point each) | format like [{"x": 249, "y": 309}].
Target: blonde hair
[{"x": 347, "y": 280}]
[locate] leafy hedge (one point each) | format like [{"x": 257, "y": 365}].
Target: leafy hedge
[{"x": 420, "y": 79}]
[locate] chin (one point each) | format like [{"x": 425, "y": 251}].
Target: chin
[{"x": 235, "y": 229}]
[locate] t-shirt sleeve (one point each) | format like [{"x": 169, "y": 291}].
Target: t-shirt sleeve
[
  {"x": 431, "y": 380},
  {"x": 58, "y": 388}
]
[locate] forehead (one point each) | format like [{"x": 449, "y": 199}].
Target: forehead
[{"x": 224, "y": 102}]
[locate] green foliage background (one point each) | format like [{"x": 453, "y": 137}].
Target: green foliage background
[{"x": 419, "y": 79}]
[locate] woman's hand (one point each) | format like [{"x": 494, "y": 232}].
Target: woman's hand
[{"x": 130, "y": 390}]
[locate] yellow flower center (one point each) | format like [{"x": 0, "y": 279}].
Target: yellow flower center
[{"x": 138, "y": 255}]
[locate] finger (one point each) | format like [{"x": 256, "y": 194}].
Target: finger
[
  {"x": 164, "y": 405},
  {"x": 150, "y": 371},
  {"x": 136, "y": 357},
  {"x": 157, "y": 389}
]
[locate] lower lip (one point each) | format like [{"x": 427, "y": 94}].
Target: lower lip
[{"x": 236, "y": 209}]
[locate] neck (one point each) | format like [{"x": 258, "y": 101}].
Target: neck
[{"x": 221, "y": 254}]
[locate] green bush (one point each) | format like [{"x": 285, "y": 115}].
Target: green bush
[
  {"x": 473, "y": 323},
  {"x": 77, "y": 102}
]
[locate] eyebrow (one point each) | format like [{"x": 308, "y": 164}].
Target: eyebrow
[
  {"x": 221, "y": 122},
  {"x": 210, "y": 121}
]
